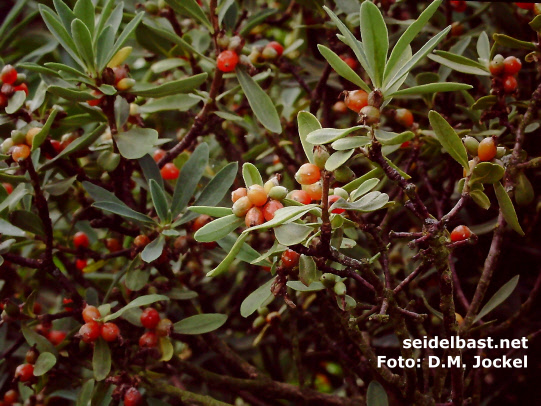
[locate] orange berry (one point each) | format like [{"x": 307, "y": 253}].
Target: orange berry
[
  {"x": 352, "y": 63},
  {"x": 11, "y": 396},
  {"x": 487, "y": 149},
  {"x": 254, "y": 217},
  {"x": 257, "y": 195},
  {"x": 110, "y": 332},
  {"x": 270, "y": 208},
  {"x": 164, "y": 328},
  {"x": 158, "y": 155},
  {"x": 31, "y": 134},
  {"x": 141, "y": 241},
  {"x": 8, "y": 74},
  {"x": 91, "y": 313},
  {"x": 308, "y": 174},
  {"x": 19, "y": 152},
  {"x": 113, "y": 245},
  {"x": 238, "y": 193},
  {"x": 300, "y": 196},
  {"x": 404, "y": 117},
  {"x": 201, "y": 221},
  {"x": 315, "y": 190},
  {"x": 460, "y": 233},
  {"x": 356, "y": 100},
  {"x": 496, "y": 66}
]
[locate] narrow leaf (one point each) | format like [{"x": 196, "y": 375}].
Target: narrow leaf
[
  {"x": 448, "y": 138},
  {"x": 507, "y": 208},
  {"x": 190, "y": 175},
  {"x": 375, "y": 39},
  {"x": 251, "y": 175},
  {"x": 499, "y": 297},
  {"x": 200, "y": 323},
  {"x": 256, "y": 299},
  {"x": 101, "y": 360}
]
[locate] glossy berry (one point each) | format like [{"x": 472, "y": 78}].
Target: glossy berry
[
  {"x": 487, "y": 149},
  {"x": 80, "y": 264},
  {"x": 254, "y": 217},
  {"x": 257, "y": 195},
  {"x": 141, "y": 241},
  {"x": 31, "y": 134},
  {"x": 270, "y": 208},
  {"x": 460, "y": 233},
  {"x": 90, "y": 313},
  {"x": 24, "y": 372},
  {"x": 90, "y": 331},
  {"x": 352, "y": 63},
  {"x": 164, "y": 328},
  {"x": 227, "y": 61},
  {"x": 496, "y": 66},
  {"x": 19, "y": 152},
  {"x": 459, "y": 6},
  {"x": 132, "y": 398},
  {"x": 11, "y": 396},
  {"x": 315, "y": 190},
  {"x": 169, "y": 171},
  {"x": 356, "y": 100},
  {"x": 509, "y": 84},
  {"x": 158, "y": 155},
  {"x": 241, "y": 206},
  {"x": 404, "y": 117},
  {"x": 148, "y": 340},
  {"x": 22, "y": 87},
  {"x": 277, "y": 47},
  {"x": 80, "y": 239},
  {"x": 300, "y": 196},
  {"x": 8, "y": 187},
  {"x": 201, "y": 221},
  {"x": 332, "y": 200},
  {"x": 512, "y": 65},
  {"x": 238, "y": 193},
  {"x": 56, "y": 336},
  {"x": 525, "y": 6},
  {"x": 110, "y": 332},
  {"x": 308, "y": 174},
  {"x": 8, "y": 74},
  {"x": 150, "y": 318},
  {"x": 290, "y": 259}
]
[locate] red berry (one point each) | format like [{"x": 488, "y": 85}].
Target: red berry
[
  {"x": 227, "y": 61},
  {"x": 270, "y": 208},
  {"x": 57, "y": 336},
  {"x": 352, "y": 63},
  {"x": 66, "y": 301},
  {"x": 525, "y": 6},
  {"x": 201, "y": 221},
  {"x": 8, "y": 74},
  {"x": 132, "y": 397},
  {"x": 80, "y": 264},
  {"x": 300, "y": 196},
  {"x": 90, "y": 331},
  {"x": 238, "y": 193},
  {"x": 24, "y": 372},
  {"x": 150, "y": 318},
  {"x": 405, "y": 144},
  {"x": 22, "y": 87},
  {"x": 356, "y": 100},
  {"x": 57, "y": 145},
  {"x": 11, "y": 396},
  {"x": 404, "y": 117},
  {"x": 19, "y": 152},
  {"x": 254, "y": 217},
  {"x": 496, "y": 67},
  {"x": 169, "y": 171},
  {"x": 459, "y": 6},
  {"x": 97, "y": 101},
  {"x": 512, "y": 65},
  {"x": 158, "y": 154},
  {"x": 277, "y": 47},
  {"x": 8, "y": 187},
  {"x": 80, "y": 239},
  {"x": 290, "y": 259},
  {"x": 332, "y": 200},
  {"x": 460, "y": 233},
  {"x": 91, "y": 313},
  {"x": 110, "y": 332},
  {"x": 487, "y": 149},
  {"x": 141, "y": 241},
  {"x": 148, "y": 340},
  {"x": 3, "y": 101},
  {"x": 113, "y": 245},
  {"x": 308, "y": 174}
]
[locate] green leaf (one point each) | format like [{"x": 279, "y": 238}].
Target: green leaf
[
  {"x": 509, "y": 42},
  {"x": 337, "y": 159},
  {"x": 65, "y": 13},
  {"x": 10, "y": 18},
  {"x": 230, "y": 257},
  {"x": 166, "y": 348},
  {"x": 480, "y": 198},
  {"x": 85, "y": 11},
  {"x": 390, "y": 138},
  {"x": 13, "y": 199},
  {"x": 105, "y": 42},
  {"x": 483, "y": 47},
  {"x": 100, "y": 194},
  {"x": 27, "y": 221},
  {"x": 407, "y": 37},
  {"x": 375, "y": 39},
  {"x": 364, "y": 188},
  {"x": 448, "y": 138},
  {"x": 507, "y": 208},
  {"x": 370, "y": 202},
  {"x": 83, "y": 42},
  {"x": 292, "y": 233},
  {"x": 44, "y": 132},
  {"x": 486, "y": 172},
  {"x": 300, "y": 287},
  {"x": 132, "y": 25},
  {"x": 260, "y": 102},
  {"x": 212, "y": 211},
  {"x": 190, "y": 175},
  {"x": 101, "y": 361},
  {"x": 307, "y": 123},
  {"x": 256, "y": 299},
  {"x": 15, "y": 102},
  {"x": 85, "y": 395},
  {"x": 351, "y": 142},
  {"x": 342, "y": 68},
  {"x": 38, "y": 68},
  {"x": 524, "y": 192},
  {"x": 251, "y": 175},
  {"x": 536, "y": 24},
  {"x": 485, "y": 102},
  {"x": 177, "y": 102},
  {"x": 123, "y": 210},
  {"x": 136, "y": 142},
  {"x": 282, "y": 215},
  {"x": 71, "y": 94},
  {"x": 246, "y": 253},
  {"x": 169, "y": 88},
  {"x": 459, "y": 63},
  {"x": 376, "y": 395},
  {"x": 430, "y": 88},
  {"x": 139, "y": 302},
  {"x": 160, "y": 201},
  {"x": 200, "y": 323},
  {"x": 257, "y": 19},
  {"x": 307, "y": 270},
  {"x": 192, "y": 9},
  {"x": 218, "y": 229},
  {"x": 499, "y": 297},
  {"x": 7, "y": 228},
  {"x": 153, "y": 250},
  {"x": 136, "y": 277},
  {"x": 151, "y": 170},
  {"x": 327, "y": 135},
  {"x": 44, "y": 363}
]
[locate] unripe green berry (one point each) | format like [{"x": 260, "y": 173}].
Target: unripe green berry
[
  {"x": 471, "y": 144},
  {"x": 269, "y": 53},
  {"x": 21, "y": 77},
  {"x": 344, "y": 174},
  {"x": 320, "y": 156},
  {"x": 234, "y": 43},
  {"x": 500, "y": 152},
  {"x": 263, "y": 311},
  {"x": 7, "y": 145},
  {"x": 340, "y": 289},
  {"x": 278, "y": 193},
  {"x": 272, "y": 182},
  {"x": 259, "y": 322},
  {"x": 223, "y": 41},
  {"x": 18, "y": 137},
  {"x": 134, "y": 109},
  {"x": 369, "y": 115},
  {"x": 341, "y": 192},
  {"x": 151, "y": 7},
  {"x": 125, "y": 84},
  {"x": 254, "y": 56},
  {"x": 328, "y": 280}
]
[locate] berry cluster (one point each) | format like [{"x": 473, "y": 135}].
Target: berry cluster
[
  {"x": 366, "y": 105},
  {"x": 11, "y": 82},
  {"x": 270, "y": 52},
  {"x": 485, "y": 151},
  {"x": 92, "y": 329},
  {"x": 150, "y": 319},
  {"x": 506, "y": 69}
]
